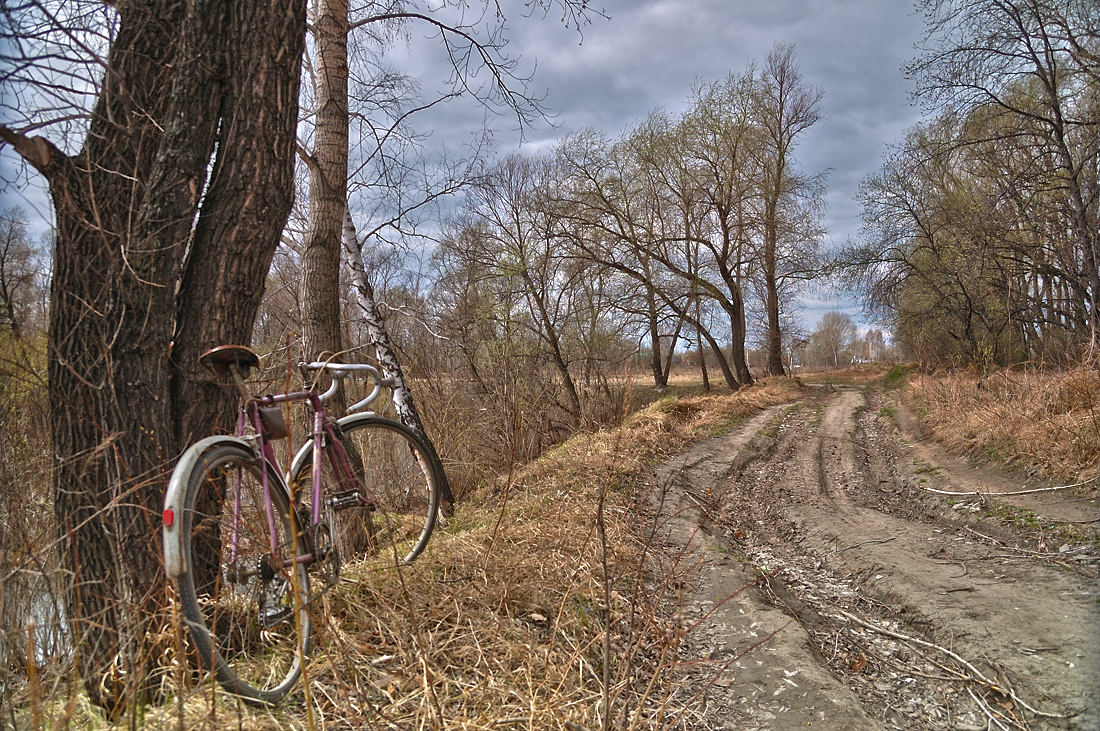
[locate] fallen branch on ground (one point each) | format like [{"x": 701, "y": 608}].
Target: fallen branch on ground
[
  {"x": 976, "y": 675},
  {"x": 982, "y": 493}
]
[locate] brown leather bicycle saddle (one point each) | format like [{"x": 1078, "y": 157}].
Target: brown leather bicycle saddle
[{"x": 218, "y": 360}]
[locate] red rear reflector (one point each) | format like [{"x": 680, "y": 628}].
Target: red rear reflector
[{"x": 169, "y": 517}]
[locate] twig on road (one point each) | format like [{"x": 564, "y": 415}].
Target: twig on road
[
  {"x": 983, "y": 493},
  {"x": 863, "y": 543},
  {"x": 976, "y": 675}
]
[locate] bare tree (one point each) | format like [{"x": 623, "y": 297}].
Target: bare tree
[
  {"x": 831, "y": 339},
  {"x": 786, "y": 107},
  {"x": 169, "y": 209},
  {"x": 20, "y": 274},
  {"x": 981, "y": 54},
  {"x": 723, "y": 146},
  {"x": 519, "y": 231}
]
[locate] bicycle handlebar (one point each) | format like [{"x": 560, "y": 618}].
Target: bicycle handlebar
[{"x": 340, "y": 371}]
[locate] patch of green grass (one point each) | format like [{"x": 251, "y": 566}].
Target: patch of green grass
[
  {"x": 896, "y": 376},
  {"x": 1020, "y": 517},
  {"x": 462, "y": 521},
  {"x": 889, "y": 412},
  {"x": 927, "y": 470},
  {"x": 723, "y": 428}
]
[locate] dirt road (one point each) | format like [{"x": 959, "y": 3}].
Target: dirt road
[{"x": 832, "y": 588}]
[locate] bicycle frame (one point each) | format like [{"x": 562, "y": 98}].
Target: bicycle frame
[
  {"x": 249, "y": 607},
  {"x": 324, "y": 439}
]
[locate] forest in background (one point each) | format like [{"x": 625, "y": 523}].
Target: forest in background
[{"x": 525, "y": 312}]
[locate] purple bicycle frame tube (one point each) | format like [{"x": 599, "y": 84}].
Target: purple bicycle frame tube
[
  {"x": 338, "y": 458},
  {"x": 237, "y": 497},
  {"x": 267, "y": 455}
]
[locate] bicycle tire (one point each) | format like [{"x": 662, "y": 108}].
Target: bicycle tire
[
  {"x": 396, "y": 468},
  {"x": 248, "y": 626}
]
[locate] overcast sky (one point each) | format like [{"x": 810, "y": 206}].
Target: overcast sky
[{"x": 649, "y": 54}]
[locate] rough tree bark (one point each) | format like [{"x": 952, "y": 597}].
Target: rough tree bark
[
  {"x": 328, "y": 185},
  {"x": 140, "y": 287}
]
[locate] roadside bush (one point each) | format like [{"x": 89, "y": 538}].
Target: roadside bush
[{"x": 897, "y": 375}]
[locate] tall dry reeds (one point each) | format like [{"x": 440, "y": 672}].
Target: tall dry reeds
[{"x": 1044, "y": 421}]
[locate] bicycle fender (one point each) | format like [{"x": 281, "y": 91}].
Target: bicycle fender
[
  {"x": 175, "y": 555},
  {"x": 296, "y": 463}
]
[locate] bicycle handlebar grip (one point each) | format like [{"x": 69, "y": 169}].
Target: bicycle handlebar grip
[{"x": 340, "y": 371}]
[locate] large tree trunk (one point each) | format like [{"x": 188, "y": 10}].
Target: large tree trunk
[
  {"x": 660, "y": 377},
  {"x": 771, "y": 288},
  {"x": 720, "y": 358},
  {"x": 102, "y": 534},
  {"x": 667, "y": 370},
  {"x": 699, "y": 341},
  {"x": 328, "y": 185},
  {"x": 137, "y": 293},
  {"x": 735, "y": 308},
  {"x": 246, "y": 206}
]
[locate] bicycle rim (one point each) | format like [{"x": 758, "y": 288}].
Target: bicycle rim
[
  {"x": 245, "y": 606},
  {"x": 392, "y": 468}
]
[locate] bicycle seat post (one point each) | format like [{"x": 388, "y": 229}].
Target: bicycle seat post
[{"x": 238, "y": 381}]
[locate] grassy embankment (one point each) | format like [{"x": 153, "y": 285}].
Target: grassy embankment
[
  {"x": 532, "y": 608},
  {"x": 1045, "y": 423}
]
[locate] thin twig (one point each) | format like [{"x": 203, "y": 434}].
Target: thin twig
[
  {"x": 977, "y": 674},
  {"x": 863, "y": 543},
  {"x": 986, "y": 710}
]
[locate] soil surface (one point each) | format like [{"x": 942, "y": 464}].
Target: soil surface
[{"x": 830, "y": 586}]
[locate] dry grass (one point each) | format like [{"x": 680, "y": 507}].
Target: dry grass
[
  {"x": 1041, "y": 420},
  {"x": 520, "y": 603}
]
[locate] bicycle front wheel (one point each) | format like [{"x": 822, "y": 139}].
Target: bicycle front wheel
[
  {"x": 392, "y": 468},
  {"x": 244, "y": 596}
]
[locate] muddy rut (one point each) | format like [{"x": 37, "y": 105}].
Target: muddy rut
[{"x": 831, "y": 587}]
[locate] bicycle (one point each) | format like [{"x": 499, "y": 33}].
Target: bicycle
[{"x": 241, "y": 543}]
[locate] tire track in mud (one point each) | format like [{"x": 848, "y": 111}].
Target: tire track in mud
[
  {"x": 750, "y": 666},
  {"x": 816, "y": 508}
]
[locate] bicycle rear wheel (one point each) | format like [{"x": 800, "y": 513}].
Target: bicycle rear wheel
[
  {"x": 392, "y": 465},
  {"x": 246, "y": 606}
]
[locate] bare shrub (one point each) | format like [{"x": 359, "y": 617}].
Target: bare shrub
[{"x": 33, "y": 642}]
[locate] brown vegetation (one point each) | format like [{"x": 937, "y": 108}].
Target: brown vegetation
[
  {"x": 1044, "y": 421},
  {"x": 505, "y": 616}
]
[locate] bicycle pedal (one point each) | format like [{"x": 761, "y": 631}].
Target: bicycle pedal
[{"x": 350, "y": 499}]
